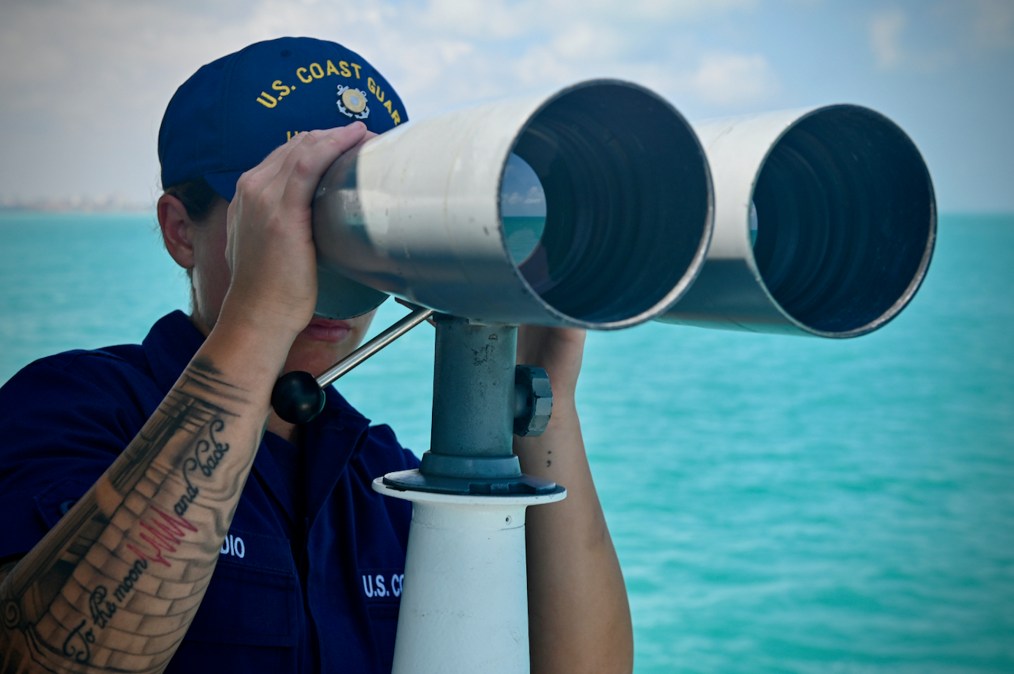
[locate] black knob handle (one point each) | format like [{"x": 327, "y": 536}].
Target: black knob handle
[{"x": 297, "y": 398}]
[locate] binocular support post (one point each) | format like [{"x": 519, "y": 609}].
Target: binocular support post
[{"x": 464, "y": 607}]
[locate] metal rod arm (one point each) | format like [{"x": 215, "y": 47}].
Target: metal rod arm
[{"x": 371, "y": 347}]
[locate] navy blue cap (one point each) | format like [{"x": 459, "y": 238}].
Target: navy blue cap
[{"x": 234, "y": 111}]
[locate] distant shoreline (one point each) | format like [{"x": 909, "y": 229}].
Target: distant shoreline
[
  {"x": 70, "y": 212},
  {"x": 110, "y": 205}
]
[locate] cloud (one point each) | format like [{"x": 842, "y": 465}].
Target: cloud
[
  {"x": 991, "y": 23},
  {"x": 885, "y": 31},
  {"x": 474, "y": 51},
  {"x": 943, "y": 35},
  {"x": 86, "y": 83},
  {"x": 726, "y": 78},
  {"x": 438, "y": 52}
]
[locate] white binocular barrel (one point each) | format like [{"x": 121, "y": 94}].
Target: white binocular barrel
[
  {"x": 590, "y": 207},
  {"x": 825, "y": 222}
]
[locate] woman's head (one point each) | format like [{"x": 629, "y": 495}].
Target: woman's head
[{"x": 224, "y": 121}]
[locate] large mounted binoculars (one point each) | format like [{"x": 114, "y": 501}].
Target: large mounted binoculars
[{"x": 599, "y": 206}]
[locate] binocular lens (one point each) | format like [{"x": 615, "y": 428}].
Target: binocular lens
[
  {"x": 522, "y": 209},
  {"x": 625, "y": 195}
]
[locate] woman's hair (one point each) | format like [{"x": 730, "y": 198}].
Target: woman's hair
[{"x": 196, "y": 195}]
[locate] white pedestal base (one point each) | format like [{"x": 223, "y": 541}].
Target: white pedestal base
[{"x": 464, "y": 607}]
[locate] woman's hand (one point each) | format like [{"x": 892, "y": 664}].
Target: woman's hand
[
  {"x": 559, "y": 351},
  {"x": 270, "y": 248}
]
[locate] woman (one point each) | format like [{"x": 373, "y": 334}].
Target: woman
[{"x": 203, "y": 533}]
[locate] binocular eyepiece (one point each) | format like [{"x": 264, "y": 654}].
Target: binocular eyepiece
[{"x": 600, "y": 207}]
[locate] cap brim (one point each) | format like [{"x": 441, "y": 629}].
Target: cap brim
[{"x": 224, "y": 184}]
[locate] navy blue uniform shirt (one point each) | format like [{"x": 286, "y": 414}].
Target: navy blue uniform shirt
[{"x": 310, "y": 575}]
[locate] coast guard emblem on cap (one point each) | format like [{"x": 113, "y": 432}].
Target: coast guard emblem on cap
[{"x": 352, "y": 102}]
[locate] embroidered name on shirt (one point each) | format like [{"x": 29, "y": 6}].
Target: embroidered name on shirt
[
  {"x": 233, "y": 546},
  {"x": 381, "y": 586}
]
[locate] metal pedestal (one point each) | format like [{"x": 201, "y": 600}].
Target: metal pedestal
[{"x": 464, "y": 607}]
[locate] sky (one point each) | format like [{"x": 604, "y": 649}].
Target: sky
[{"x": 85, "y": 82}]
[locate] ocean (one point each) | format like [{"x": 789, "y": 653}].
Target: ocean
[{"x": 779, "y": 504}]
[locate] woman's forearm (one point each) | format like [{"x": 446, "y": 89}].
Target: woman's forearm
[
  {"x": 578, "y": 609},
  {"x": 115, "y": 584}
]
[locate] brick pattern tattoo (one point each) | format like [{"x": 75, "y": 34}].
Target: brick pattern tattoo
[{"x": 117, "y": 582}]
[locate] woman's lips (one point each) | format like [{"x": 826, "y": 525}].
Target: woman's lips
[{"x": 327, "y": 330}]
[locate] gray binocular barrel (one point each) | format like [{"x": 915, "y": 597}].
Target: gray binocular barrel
[
  {"x": 825, "y": 222},
  {"x": 590, "y": 207}
]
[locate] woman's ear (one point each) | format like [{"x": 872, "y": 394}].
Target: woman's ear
[{"x": 177, "y": 230}]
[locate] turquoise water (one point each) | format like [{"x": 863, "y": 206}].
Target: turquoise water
[{"x": 779, "y": 504}]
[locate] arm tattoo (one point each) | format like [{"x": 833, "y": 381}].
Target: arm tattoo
[{"x": 115, "y": 584}]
